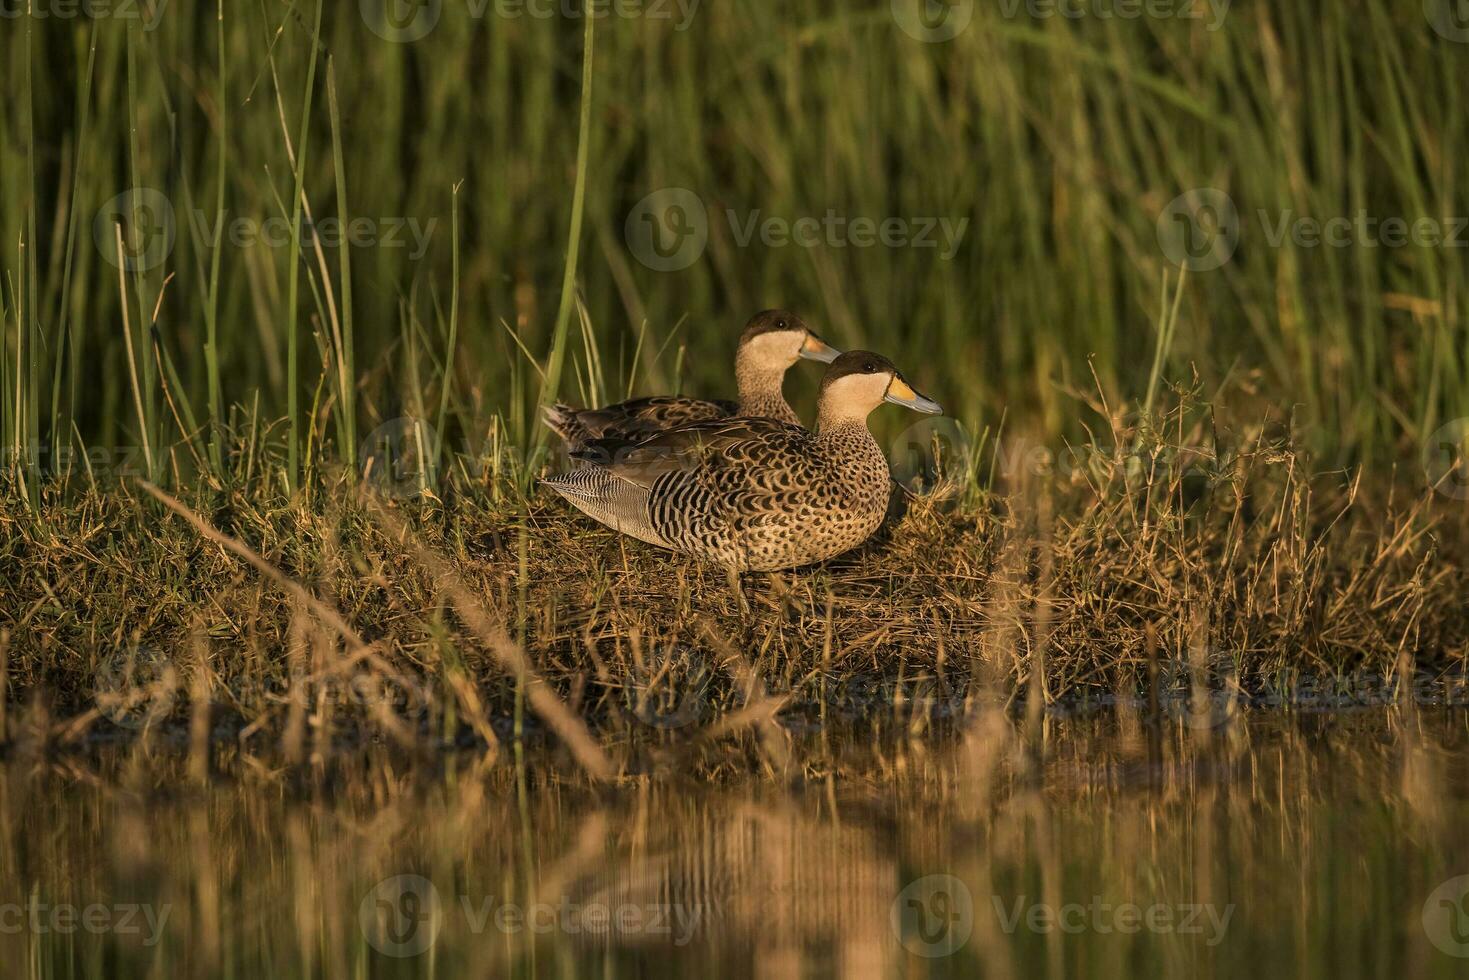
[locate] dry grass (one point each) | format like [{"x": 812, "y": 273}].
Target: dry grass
[{"x": 478, "y": 616}]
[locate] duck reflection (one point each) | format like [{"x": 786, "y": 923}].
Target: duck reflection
[{"x": 779, "y": 885}]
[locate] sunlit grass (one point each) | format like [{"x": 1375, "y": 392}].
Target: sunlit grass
[
  {"x": 1059, "y": 140},
  {"x": 284, "y": 616}
]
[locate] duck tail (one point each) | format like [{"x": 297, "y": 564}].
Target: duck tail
[
  {"x": 562, "y": 420},
  {"x": 588, "y": 484},
  {"x": 610, "y": 500}
]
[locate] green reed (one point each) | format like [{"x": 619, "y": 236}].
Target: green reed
[{"x": 1060, "y": 142}]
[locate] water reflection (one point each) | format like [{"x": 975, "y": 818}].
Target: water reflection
[{"x": 1285, "y": 846}]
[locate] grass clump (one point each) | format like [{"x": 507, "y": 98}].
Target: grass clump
[{"x": 1076, "y": 576}]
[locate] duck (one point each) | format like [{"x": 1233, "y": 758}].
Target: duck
[
  {"x": 771, "y": 342},
  {"x": 753, "y": 494}
]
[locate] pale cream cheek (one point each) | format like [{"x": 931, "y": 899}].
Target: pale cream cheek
[
  {"x": 775, "y": 351},
  {"x": 858, "y": 394}
]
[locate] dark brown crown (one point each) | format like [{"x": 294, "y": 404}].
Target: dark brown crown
[
  {"x": 857, "y": 362},
  {"x": 770, "y": 321}
]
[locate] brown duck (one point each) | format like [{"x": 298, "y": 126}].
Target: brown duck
[
  {"x": 755, "y": 494},
  {"x": 771, "y": 342}
]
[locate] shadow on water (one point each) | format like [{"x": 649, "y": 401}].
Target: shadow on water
[{"x": 1278, "y": 844}]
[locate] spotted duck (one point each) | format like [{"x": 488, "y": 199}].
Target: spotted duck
[
  {"x": 755, "y": 494},
  {"x": 772, "y": 341}
]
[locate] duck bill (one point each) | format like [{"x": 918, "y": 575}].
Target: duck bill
[
  {"x": 900, "y": 393},
  {"x": 816, "y": 349}
]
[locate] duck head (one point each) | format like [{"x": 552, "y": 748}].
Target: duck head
[
  {"x": 859, "y": 381},
  {"x": 773, "y": 340}
]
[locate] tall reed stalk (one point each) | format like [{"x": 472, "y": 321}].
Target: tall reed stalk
[
  {"x": 293, "y": 411},
  {"x": 557, "y": 357},
  {"x": 211, "y": 344}
]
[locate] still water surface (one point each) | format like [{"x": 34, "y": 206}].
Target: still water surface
[{"x": 1286, "y": 845}]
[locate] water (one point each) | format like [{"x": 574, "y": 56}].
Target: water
[{"x": 1281, "y": 845}]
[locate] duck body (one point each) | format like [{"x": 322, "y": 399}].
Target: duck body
[
  {"x": 753, "y": 494},
  {"x": 633, "y": 420},
  {"x": 772, "y": 341},
  {"x": 748, "y": 493}
]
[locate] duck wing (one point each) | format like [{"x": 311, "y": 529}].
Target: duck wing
[
  {"x": 710, "y": 446},
  {"x": 634, "y": 419}
]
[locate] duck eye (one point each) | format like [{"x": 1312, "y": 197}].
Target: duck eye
[
  {"x": 780, "y": 324},
  {"x": 870, "y": 368}
]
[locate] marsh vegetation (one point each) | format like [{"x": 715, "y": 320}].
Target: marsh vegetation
[{"x": 301, "y": 669}]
